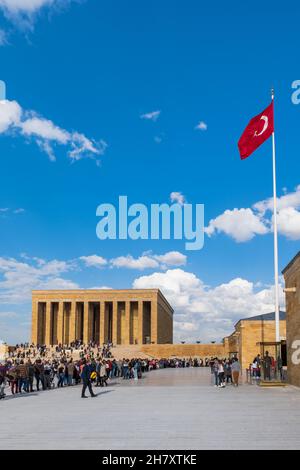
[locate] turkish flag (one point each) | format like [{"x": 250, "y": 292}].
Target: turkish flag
[{"x": 259, "y": 129}]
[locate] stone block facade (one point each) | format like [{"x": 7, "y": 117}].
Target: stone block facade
[
  {"x": 126, "y": 317},
  {"x": 185, "y": 350},
  {"x": 249, "y": 336},
  {"x": 292, "y": 293}
]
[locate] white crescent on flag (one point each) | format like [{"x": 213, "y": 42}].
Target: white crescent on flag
[{"x": 264, "y": 118}]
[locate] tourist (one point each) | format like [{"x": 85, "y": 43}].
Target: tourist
[
  {"x": 135, "y": 369},
  {"x": 61, "y": 375},
  {"x": 70, "y": 368},
  {"x": 30, "y": 368},
  {"x": 13, "y": 379},
  {"x": 47, "y": 375},
  {"x": 221, "y": 375},
  {"x": 267, "y": 363},
  {"x": 235, "y": 370},
  {"x": 215, "y": 371},
  {"x": 22, "y": 372},
  {"x": 103, "y": 374},
  {"x": 86, "y": 379},
  {"x": 280, "y": 367},
  {"x": 227, "y": 370},
  {"x": 126, "y": 372},
  {"x": 2, "y": 380},
  {"x": 39, "y": 374}
]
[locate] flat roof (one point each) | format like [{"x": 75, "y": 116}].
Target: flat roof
[
  {"x": 291, "y": 263},
  {"x": 264, "y": 317},
  {"x": 36, "y": 292}
]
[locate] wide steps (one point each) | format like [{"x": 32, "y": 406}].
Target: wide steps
[{"x": 264, "y": 383}]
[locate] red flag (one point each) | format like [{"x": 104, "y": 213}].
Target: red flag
[{"x": 259, "y": 129}]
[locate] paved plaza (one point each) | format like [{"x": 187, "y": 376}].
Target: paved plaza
[{"x": 168, "y": 409}]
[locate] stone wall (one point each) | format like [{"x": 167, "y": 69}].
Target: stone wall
[
  {"x": 292, "y": 282},
  {"x": 253, "y": 332},
  {"x": 185, "y": 350}
]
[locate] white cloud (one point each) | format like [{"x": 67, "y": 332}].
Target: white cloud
[
  {"x": 288, "y": 223},
  {"x": 23, "y": 13},
  {"x": 10, "y": 115},
  {"x": 45, "y": 129},
  {"x": 153, "y": 116},
  {"x": 149, "y": 260},
  {"x": 172, "y": 258},
  {"x": 18, "y": 278},
  {"x": 3, "y": 37},
  {"x": 143, "y": 262},
  {"x": 240, "y": 224},
  {"x": 176, "y": 196},
  {"x": 27, "y": 6},
  {"x": 287, "y": 200},
  {"x": 288, "y": 216},
  {"x": 4, "y": 211},
  {"x": 94, "y": 261},
  {"x": 208, "y": 313},
  {"x": 243, "y": 224},
  {"x": 201, "y": 126},
  {"x": 46, "y": 134}
]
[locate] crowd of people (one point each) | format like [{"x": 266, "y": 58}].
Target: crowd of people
[
  {"x": 27, "y": 375},
  {"x": 225, "y": 371},
  {"x": 267, "y": 367},
  {"x": 30, "y": 367}
]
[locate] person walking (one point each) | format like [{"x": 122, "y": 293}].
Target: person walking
[
  {"x": 221, "y": 375},
  {"x": 235, "y": 370},
  {"x": 86, "y": 379}
]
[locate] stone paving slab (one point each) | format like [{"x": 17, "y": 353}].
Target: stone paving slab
[{"x": 169, "y": 409}]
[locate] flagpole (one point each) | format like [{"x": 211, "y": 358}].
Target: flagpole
[{"x": 277, "y": 330}]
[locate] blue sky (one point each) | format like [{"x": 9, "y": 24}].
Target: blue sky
[{"x": 79, "y": 77}]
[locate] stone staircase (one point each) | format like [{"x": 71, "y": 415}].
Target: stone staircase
[{"x": 129, "y": 352}]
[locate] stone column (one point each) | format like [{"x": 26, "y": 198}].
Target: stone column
[
  {"x": 140, "y": 322},
  {"x": 60, "y": 323},
  {"x": 72, "y": 323},
  {"x": 48, "y": 326},
  {"x": 102, "y": 323},
  {"x": 126, "y": 330},
  {"x": 154, "y": 322},
  {"x": 86, "y": 323},
  {"x": 115, "y": 323},
  {"x": 35, "y": 322}
]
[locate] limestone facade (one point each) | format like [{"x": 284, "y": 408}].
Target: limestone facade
[
  {"x": 291, "y": 275},
  {"x": 252, "y": 335},
  {"x": 132, "y": 316}
]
